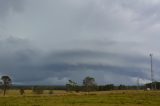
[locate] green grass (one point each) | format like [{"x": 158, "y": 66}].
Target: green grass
[{"x": 110, "y": 98}]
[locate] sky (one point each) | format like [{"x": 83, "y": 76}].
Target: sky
[{"x": 48, "y": 42}]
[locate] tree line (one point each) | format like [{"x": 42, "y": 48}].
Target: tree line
[{"x": 89, "y": 84}]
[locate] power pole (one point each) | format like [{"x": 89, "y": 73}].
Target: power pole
[
  {"x": 152, "y": 76},
  {"x": 138, "y": 83}
]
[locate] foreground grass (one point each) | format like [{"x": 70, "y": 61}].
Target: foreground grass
[{"x": 110, "y": 98}]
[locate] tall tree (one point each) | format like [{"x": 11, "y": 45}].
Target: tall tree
[
  {"x": 71, "y": 85},
  {"x": 89, "y": 83},
  {"x": 6, "y": 83}
]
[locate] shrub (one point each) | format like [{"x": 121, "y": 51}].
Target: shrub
[
  {"x": 50, "y": 92},
  {"x": 21, "y": 91},
  {"x": 37, "y": 90}
]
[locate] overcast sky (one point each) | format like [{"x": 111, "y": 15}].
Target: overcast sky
[{"x": 53, "y": 41}]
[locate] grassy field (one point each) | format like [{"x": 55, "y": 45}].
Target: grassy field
[{"x": 61, "y": 98}]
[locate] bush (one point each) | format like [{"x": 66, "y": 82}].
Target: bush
[
  {"x": 50, "y": 92},
  {"x": 21, "y": 91},
  {"x": 37, "y": 90}
]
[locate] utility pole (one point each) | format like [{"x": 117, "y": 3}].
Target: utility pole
[
  {"x": 152, "y": 79},
  {"x": 138, "y": 83}
]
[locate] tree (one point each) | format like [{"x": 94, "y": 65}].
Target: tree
[
  {"x": 109, "y": 87},
  {"x": 122, "y": 87},
  {"x": 37, "y": 90},
  {"x": 71, "y": 85},
  {"x": 21, "y": 91},
  {"x": 89, "y": 83},
  {"x": 6, "y": 83},
  {"x": 50, "y": 92},
  {"x": 106, "y": 87}
]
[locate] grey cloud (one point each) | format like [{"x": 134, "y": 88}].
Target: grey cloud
[
  {"x": 9, "y": 6},
  {"x": 61, "y": 40},
  {"x": 27, "y": 66},
  {"x": 145, "y": 12}
]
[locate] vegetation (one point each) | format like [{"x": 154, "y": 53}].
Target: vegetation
[
  {"x": 62, "y": 98},
  {"x": 89, "y": 84},
  {"x": 103, "y": 95},
  {"x": 37, "y": 90},
  {"x": 71, "y": 86},
  {"x": 106, "y": 87},
  {"x": 21, "y": 91},
  {"x": 50, "y": 92},
  {"x": 6, "y": 83},
  {"x": 153, "y": 85}
]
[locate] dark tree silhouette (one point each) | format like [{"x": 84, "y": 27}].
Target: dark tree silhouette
[
  {"x": 71, "y": 85},
  {"x": 21, "y": 91},
  {"x": 89, "y": 83},
  {"x": 37, "y": 90},
  {"x": 6, "y": 83}
]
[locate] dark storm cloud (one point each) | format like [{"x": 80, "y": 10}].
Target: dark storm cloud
[
  {"x": 52, "y": 41},
  {"x": 28, "y": 66}
]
